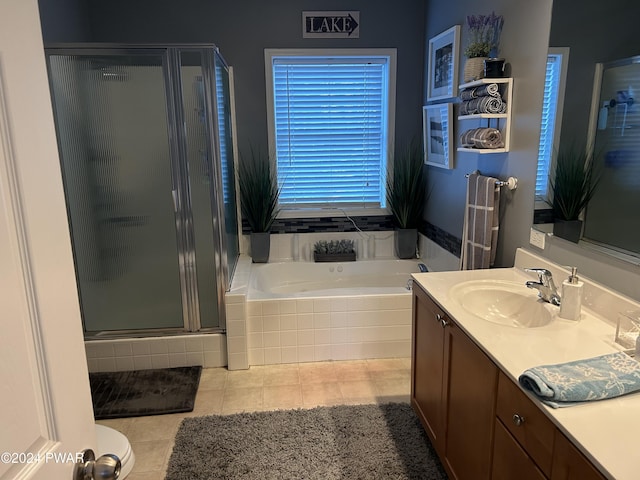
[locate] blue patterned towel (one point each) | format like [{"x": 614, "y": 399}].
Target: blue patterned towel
[{"x": 574, "y": 382}]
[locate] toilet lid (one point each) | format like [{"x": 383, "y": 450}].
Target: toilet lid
[{"x": 112, "y": 441}]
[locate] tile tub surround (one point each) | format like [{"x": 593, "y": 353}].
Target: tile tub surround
[
  {"x": 328, "y": 328},
  {"x": 274, "y": 331},
  {"x": 302, "y": 330}
]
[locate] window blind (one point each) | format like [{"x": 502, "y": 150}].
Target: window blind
[
  {"x": 331, "y": 130},
  {"x": 549, "y": 110}
]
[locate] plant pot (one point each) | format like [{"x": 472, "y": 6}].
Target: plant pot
[
  {"x": 568, "y": 229},
  {"x": 474, "y": 69},
  {"x": 335, "y": 257},
  {"x": 260, "y": 246},
  {"x": 494, "y": 68},
  {"x": 406, "y": 240}
]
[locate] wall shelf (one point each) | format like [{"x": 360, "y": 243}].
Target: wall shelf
[
  {"x": 482, "y": 151},
  {"x": 500, "y": 121}
]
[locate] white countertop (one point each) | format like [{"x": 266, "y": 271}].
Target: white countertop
[{"x": 605, "y": 431}]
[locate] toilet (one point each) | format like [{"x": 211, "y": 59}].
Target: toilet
[{"x": 112, "y": 441}]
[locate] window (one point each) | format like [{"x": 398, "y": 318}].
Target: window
[
  {"x": 551, "y": 116},
  {"x": 330, "y": 125}
]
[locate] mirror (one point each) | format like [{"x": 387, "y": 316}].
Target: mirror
[{"x": 604, "y": 33}]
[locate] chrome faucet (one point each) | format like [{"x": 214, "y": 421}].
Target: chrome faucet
[{"x": 547, "y": 290}]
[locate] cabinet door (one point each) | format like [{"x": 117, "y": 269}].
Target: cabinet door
[
  {"x": 427, "y": 366},
  {"x": 526, "y": 423},
  {"x": 569, "y": 463},
  {"x": 510, "y": 460},
  {"x": 470, "y": 404}
]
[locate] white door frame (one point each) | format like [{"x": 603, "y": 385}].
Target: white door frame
[{"x": 45, "y": 403}]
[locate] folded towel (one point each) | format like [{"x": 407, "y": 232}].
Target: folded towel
[
  {"x": 488, "y": 89},
  {"x": 483, "y": 105},
  {"x": 482, "y": 138},
  {"x": 597, "y": 378}
]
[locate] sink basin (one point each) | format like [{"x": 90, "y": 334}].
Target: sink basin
[{"x": 503, "y": 302}]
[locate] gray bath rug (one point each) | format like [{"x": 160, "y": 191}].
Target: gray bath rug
[
  {"x": 144, "y": 392},
  {"x": 325, "y": 443}
]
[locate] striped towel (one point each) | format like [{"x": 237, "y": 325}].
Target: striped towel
[
  {"x": 482, "y": 138},
  {"x": 598, "y": 378},
  {"x": 483, "y": 105},
  {"x": 480, "y": 230},
  {"x": 488, "y": 89}
]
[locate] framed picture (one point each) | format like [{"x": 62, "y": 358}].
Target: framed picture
[
  {"x": 437, "y": 125},
  {"x": 442, "y": 81}
]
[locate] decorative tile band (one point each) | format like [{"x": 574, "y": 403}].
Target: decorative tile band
[
  {"x": 327, "y": 224},
  {"x": 542, "y": 215},
  {"x": 444, "y": 239},
  {"x": 449, "y": 242}
]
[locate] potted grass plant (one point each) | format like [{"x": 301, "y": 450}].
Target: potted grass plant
[
  {"x": 259, "y": 193},
  {"x": 406, "y": 195},
  {"x": 573, "y": 183}
]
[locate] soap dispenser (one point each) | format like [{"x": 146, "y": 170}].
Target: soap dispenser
[{"x": 571, "y": 298}]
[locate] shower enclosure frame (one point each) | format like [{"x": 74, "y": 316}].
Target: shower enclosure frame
[{"x": 180, "y": 179}]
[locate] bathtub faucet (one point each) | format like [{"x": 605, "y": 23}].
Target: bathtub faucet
[
  {"x": 423, "y": 268},
  {"x": 410, "y": 284}
]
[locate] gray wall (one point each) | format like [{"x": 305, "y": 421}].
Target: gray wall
[
  {"x": 524, "y": 45},
  {"x": 64, "y": 20},
  {"x": 244, "y": 28}
]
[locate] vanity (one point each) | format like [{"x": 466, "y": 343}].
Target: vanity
[{"x": 467, "y": 357}]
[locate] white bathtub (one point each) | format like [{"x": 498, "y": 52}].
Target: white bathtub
[
  {"x": 306, "y": 279},
  {"x": 303, "y": 311}
]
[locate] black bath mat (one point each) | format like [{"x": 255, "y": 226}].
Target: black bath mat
[{"x": 144, "y": 392}]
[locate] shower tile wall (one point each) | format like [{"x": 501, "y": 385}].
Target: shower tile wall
[{"x": 156, "y": 352}]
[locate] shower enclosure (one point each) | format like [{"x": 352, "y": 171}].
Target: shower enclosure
[{"x": 144, "y": 135}]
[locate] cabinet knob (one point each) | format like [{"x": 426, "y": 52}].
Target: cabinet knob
[
  {"x": 518, "y": 420},
  {"x": 443, "y": 321}
]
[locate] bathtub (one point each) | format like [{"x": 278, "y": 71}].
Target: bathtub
[
  {"x": 296, "y": 279},
  {"x": 303, "y": 311}
]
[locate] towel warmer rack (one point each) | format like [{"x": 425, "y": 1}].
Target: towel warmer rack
[{"x": 511, "y": 183}]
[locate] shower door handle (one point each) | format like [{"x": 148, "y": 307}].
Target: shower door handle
[{"x": 174, "y": 195}]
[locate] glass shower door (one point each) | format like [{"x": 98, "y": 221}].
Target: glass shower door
[
  {"x": 113, "y": 129},
  {"x": 203, "y": 184},
  {"x": 207, "y": 148},
  {"x": 225, "y": 146}
]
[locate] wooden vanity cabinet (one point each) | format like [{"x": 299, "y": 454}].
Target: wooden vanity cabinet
[
  {"x": 453, "y": 391},
  {"x": 526, "y": 423},
  {"x": 428, "y": 367},
  {"x": 510, "y": 461},
  {"x": 481, "y": 424},
  {"x": 569, "y": 463},
  {"x": 523, "y": 428}
]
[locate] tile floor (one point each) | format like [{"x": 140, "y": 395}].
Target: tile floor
[{"x": 269, "y": 387}]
